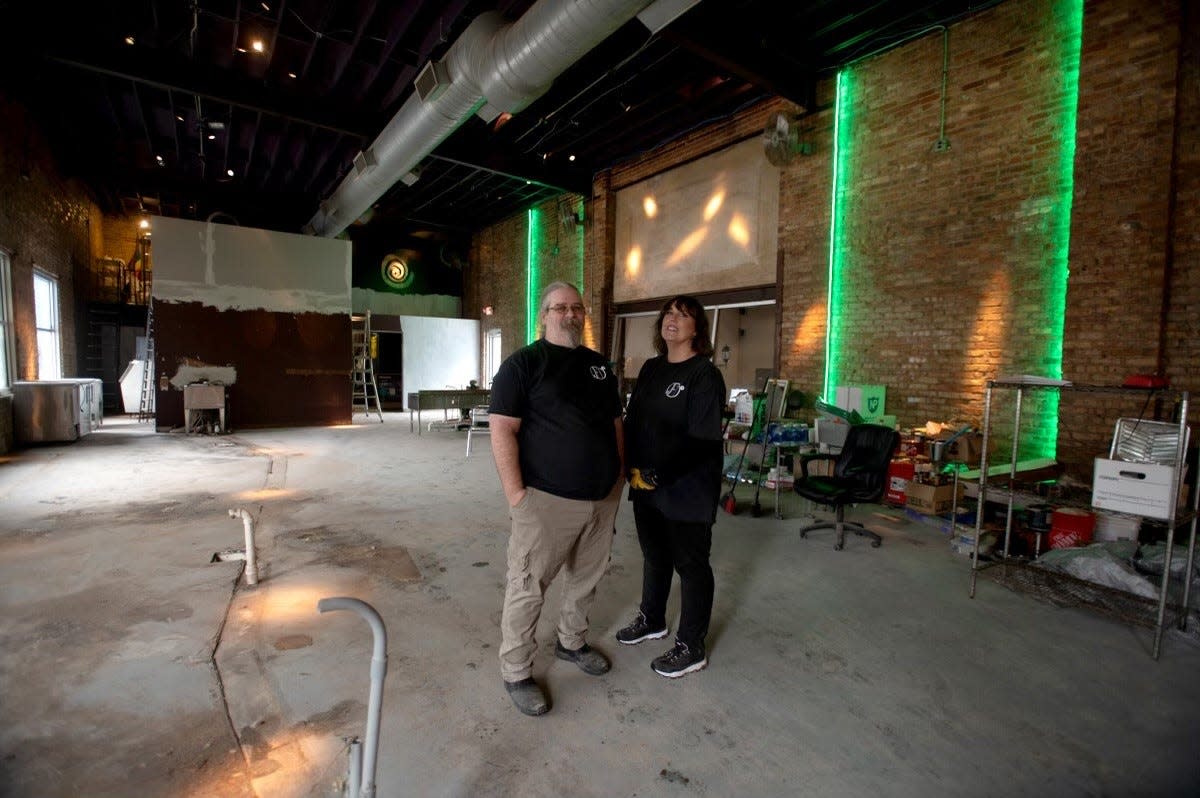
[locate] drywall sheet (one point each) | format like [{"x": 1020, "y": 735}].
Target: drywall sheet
[
  {"x": 709, "y": 225},
  {"x": 380, "y": 303},
  {"x": 244, "y": 268},
  {"x": 439, "y": 353}
]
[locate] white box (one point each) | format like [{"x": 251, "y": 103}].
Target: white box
[
  {"x": 868, "y": 400},
  {"x": 1138, "y": 488},
  {"x": 830, "y": 431}
]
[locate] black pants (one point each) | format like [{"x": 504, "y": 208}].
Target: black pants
[{"x": 669, "y": 546}]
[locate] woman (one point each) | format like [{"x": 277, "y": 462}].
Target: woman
[{"x": 673, "y": 445}]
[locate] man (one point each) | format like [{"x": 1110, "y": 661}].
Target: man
[{"x": 557, "y": 439}]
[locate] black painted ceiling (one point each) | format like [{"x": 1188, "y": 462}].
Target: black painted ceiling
[{"x": 155, "y": 102}]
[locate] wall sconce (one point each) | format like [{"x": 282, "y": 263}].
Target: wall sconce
[{"x": 725, "y": 355}]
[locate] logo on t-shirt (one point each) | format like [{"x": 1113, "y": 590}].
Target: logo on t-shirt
[
  {"x": 599, "y": 372},
  {"x": 674, "y": 389}
]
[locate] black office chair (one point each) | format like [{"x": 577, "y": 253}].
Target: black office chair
[{"x": 859, "y": 475}]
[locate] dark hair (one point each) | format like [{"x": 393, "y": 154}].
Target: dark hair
[{"x": 691, "y": 307}]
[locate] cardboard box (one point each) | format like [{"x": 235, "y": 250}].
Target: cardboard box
[
  {"x": 1139, "y": 488},
  {"x": 930, "y": 499},
  {"x": 898, "y": 476},
  {"x": 868, "y": 400}
]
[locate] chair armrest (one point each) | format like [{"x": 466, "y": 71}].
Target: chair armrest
[{"x": 805, "y": 459}]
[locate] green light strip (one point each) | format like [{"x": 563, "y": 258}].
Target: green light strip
[
  {"x": 1071, "y": 38},
  {"x": 531, "y": 275},
  {"x": 580, "y": 235},
  {"x": 837, "y": 246}
]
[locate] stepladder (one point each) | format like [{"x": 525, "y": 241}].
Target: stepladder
[
  {"x": 147, "y": 400},
  {"x": 364, "y": 392}
]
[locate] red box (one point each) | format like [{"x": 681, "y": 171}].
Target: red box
[{"x": 898, "y": 475}]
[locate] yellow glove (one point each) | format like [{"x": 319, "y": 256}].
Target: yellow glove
[{"x": 637, "y": 482}]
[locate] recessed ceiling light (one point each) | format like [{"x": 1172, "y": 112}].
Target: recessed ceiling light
[
  {"x": 265, "y": 6},
  {"x": 180, "y": 118},
  {"x": 570, "y": 157},
  {"x": 229, "y": 172},
  {"x": 130, "y": 40},
  {"x": 241, "y": 49},
  {"x": 257, "y": 45},
  {"x": 212, "y": 136},
  {"x": 158, "y": 158},
  {"x": 292, "y": 75}
]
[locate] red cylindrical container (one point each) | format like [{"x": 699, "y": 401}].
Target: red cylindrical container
[{"x": 1069, "y": 527}]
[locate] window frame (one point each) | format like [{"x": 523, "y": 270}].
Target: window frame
[
  {"x": 8, "y": 349},
  {"x": 56, "y": 329}
]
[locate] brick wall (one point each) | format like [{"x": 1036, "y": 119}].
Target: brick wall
[
  {"x": 47, "y": 223},
  {"x": 948, "y": 252},
  {"x": 499, "y": 255}
]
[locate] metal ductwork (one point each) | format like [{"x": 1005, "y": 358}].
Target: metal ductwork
[{"x": 492, "y": 67}]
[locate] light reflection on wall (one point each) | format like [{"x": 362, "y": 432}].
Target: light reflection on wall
[
  {"x": 687, "y": 246},
  {"x": 633, "y": 262},
  {"x": 993, "y": 321},
  {"x": 739, "y": 231},
  {"x": 650, "y": 206},
  {"x": 810, "y": 332},
  {"x": 714, "y": 204}
]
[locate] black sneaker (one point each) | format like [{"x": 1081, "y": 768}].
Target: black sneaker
[
  {"x": 528, "y": 696},
  {"x": 680, "y": 660},
  {"x": 639, "y": 630},
  {"x": 588, "y": 659}
]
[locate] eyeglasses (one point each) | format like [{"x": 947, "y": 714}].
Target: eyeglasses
[{"x": 561, "y": 310}]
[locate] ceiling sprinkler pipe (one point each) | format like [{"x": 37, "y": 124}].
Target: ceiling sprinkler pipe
[
  {"x": 251, "y": 561},
  {"x": 378, "y": 672}
]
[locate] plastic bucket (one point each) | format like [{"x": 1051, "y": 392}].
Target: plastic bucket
[{"x": 1071, "y": 527}]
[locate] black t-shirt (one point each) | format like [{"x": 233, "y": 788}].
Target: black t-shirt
[
  {"x": 673, "y": 426},
  {"x": 567, "y": 401}
]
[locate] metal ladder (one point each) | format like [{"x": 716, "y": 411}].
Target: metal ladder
[
  {"x": 363, "y": 390},
  {"x": 146, "y": 406}
]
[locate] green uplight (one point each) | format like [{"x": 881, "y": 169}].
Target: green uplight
[
  {"x": 579, "y": 252},
  {"x": 532, "y": 276},
  {"x": 837, "y": 244},
  {"x": 1070, "y": 37}
]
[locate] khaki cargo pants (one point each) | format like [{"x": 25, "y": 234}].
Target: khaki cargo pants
[{"x": 549, "y": 534}]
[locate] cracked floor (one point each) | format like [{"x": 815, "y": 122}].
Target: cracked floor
[{"x": 131, "y": 663}]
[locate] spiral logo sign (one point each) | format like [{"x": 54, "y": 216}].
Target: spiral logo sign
[
  {"x": 599, "y": 372},
  {"x": 674, "y": 389}
]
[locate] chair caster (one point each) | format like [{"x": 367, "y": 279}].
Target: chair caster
[
  {"x": 838, "y": 546},
  {"x": 876, "y": 544},
  {"x": 803, "y": 534}
]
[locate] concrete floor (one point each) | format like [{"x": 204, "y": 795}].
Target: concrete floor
[{"x": 131, "y": 664}]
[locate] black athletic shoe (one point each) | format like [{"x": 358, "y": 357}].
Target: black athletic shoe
[
  {"x": 639, "y": 630},
  {"x": 680, "y": 660}
]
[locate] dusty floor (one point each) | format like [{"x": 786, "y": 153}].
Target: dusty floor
[{"x": 132, "y": 665}]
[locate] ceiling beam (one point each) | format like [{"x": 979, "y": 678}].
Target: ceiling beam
[{"x": 172, "y": 73}]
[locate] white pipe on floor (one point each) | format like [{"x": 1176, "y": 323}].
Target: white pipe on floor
[
  {"x": 251, "y": 563},
  {"x": 378, "y": 672}
]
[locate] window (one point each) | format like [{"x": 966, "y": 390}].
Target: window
[
  {"x": 45, "y": 306},
  {"x": 7, "y": 357}
]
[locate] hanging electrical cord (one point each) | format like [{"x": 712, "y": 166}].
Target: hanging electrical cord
[{"x": 942, "y": 144}]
